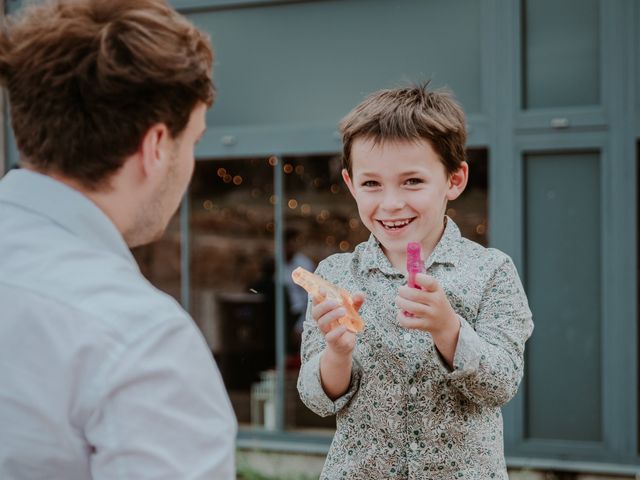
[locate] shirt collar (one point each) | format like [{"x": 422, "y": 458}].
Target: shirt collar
[
  {"x": 447, "y": 251},
  {"x": 63, "y": 205}
]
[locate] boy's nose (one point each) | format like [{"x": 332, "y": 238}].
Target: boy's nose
[{"x": 392, "y": 203}]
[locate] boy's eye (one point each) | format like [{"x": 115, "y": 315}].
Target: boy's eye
[
  {"x": 369, "y": 183},
  {"x": 414, "y": 181}
]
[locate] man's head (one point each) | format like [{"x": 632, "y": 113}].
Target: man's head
[
  {"x": 408, "y": 114},
  {"x": 94, "y": 83},
  {"x": 404, "y": 159}
]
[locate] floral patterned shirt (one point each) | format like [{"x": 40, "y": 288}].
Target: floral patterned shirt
[{"x": 406, "y": 415}]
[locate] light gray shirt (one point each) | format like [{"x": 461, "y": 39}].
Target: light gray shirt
[
  {"x": 102, "y": 376},
  {"x": 406, "y": 415}
]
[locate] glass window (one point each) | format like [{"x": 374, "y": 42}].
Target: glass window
[
  {"x": 561, "y": 53},
  {"x": 232, "y": 278}
]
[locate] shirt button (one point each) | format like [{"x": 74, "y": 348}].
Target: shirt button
[
  {"x": 407, "y": 337},
  {"x": 413, "y": 446},
  {"x": 413, "y": 390}
]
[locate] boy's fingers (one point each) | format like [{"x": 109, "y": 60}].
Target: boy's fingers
[
  {"x": 328, "y": 321},
  {"x": 427, "y": 282},
  {"x": 358, "y": 300},
  {"x": 416, "y": 308},
  {"x": 319, "y": 297},
  {"x": 335, "y": 334},
  {"x": 323, "y": 308},
  {"x": 414, "y": 323}
]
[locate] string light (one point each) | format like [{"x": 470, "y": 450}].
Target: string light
[
  {"x": 354, "y": 223},
  {"x": 227, "y": 178},
  {"x": 300, "y": 169},
  {"x": 335, "y": 188},
  {"x": 273, "y": 161},
  {"x": 293, "y": 204},
  {"x": 305, "y": 208},
  {"x": 237, "y": 180},
  {"x": 344, "y": 245},
  {"x": 273, "y": 199},
  {"x": 288, "y": 168},
  {"x": 222, "y": 172}
]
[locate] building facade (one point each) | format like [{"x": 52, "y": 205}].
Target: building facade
[{"x": 552, "y": 93}]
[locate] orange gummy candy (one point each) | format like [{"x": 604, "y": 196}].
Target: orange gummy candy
[{"x": 312, "y": 283}]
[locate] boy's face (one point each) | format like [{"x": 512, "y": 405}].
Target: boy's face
[{"x": 402, "y": 189}]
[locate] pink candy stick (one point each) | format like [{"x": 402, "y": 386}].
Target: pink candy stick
[{"x": 414, "y": 263}]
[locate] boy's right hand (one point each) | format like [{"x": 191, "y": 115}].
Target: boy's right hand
[{"x": 326, "y": 312}]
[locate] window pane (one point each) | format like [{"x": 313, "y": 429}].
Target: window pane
[
  {"x": 159, "y": 262},
  {"x": 563, "y": 278},
  {"x": 561, "y": 50},
  {"x": 232, "y": 278}
]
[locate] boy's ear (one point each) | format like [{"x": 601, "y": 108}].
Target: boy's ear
[
  {"x": 347, "y": 180},
  {"x": 458, "y": 181}
]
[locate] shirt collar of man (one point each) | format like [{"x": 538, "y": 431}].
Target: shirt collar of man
[
  {"x": 63, "y": 205},
  {"x": 447, "y": 251}
]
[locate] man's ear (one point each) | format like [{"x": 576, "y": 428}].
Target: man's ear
[
  {"x": 458, "y": 181},
  {"x": 154, "y": 149},
  {"x": 347, "y": 180}
]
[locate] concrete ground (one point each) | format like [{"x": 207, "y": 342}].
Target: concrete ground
[{"x": 261, "y": 465}]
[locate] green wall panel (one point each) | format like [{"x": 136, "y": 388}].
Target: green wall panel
[
  {"x": 311, "y": 62},
  {"x": 563, "y": 281}
]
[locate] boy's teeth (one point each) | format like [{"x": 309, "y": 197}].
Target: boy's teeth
[{"x": 396, "y": 224}]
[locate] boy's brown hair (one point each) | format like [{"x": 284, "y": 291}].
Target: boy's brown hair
[
  {"x": 87, "y": 78},
  {"x": 408, "y": 114}
]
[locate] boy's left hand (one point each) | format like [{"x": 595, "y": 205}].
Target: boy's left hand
[{"x": 429, "y": 306}]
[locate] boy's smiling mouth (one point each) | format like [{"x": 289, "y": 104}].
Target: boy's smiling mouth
[{"x": 396, "y": 224}]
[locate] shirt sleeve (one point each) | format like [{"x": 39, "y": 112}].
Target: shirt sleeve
[
  {"x": 489, "y": 359},
  {"x": 163, "y": 412},
  {"x": 309, "y": 383}
]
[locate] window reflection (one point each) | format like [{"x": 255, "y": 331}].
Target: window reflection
[{"x": 232, "y": 274}]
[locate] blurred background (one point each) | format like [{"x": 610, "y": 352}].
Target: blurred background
[{"x": 551, "y": 89}]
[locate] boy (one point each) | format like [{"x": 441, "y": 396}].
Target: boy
[{"x": 418, "y": 393}]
